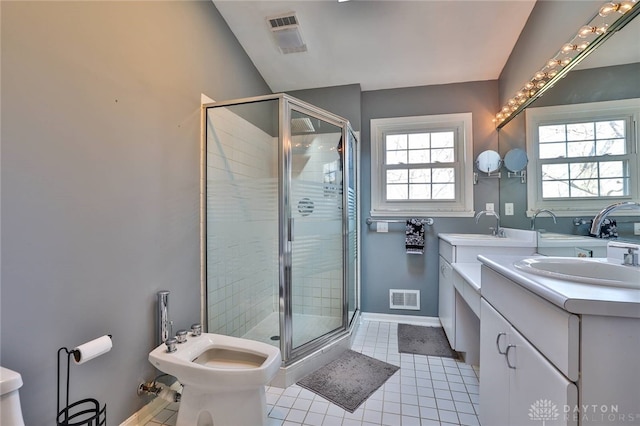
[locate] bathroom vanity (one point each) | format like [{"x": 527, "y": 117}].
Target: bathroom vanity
[
  {"x": 557, "y": 350},
  {"x": 459, "y": 283}
]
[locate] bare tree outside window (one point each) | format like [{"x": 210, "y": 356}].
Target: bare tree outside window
[{"x": 583, "y": 160}]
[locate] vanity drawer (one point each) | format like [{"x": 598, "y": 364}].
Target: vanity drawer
[
  {"x": 553, "y": 331},
  {"x": 447, "y": 251}
]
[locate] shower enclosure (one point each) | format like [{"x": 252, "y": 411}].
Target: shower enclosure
[{"x": 280, "y": 231}]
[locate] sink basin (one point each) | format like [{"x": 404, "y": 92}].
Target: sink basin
[{"x": 585, "y": 270}]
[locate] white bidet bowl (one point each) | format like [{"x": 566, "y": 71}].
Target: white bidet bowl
[{"x": 223, "y": 378}]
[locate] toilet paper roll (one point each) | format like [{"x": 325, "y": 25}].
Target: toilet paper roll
[{"x": 92, "y": 349}]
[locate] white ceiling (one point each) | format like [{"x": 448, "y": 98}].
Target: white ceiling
[{"x": 380, "y": 44}]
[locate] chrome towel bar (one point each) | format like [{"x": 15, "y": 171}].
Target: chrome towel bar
[{"x": 426, "y": 221}]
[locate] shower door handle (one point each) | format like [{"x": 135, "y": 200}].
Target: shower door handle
[{"x": 291, "y": 229}]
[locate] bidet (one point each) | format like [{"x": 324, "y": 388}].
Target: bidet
[{"x": 223, "y": 378}]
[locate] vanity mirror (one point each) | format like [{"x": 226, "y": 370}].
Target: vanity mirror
[
  {"x": 487, "y": 163},
  {"x": 516, "y": 163},
  {"x": 611, "y": 72}
]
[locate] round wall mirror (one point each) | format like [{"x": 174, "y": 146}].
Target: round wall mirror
[
  {"x": 516, "y": 160},
  {"x": 488, "y": 161}
]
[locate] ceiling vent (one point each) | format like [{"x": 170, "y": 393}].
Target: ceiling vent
[
  {"x": 286, "y": 32},
  {"x": 302, "y": 125}
]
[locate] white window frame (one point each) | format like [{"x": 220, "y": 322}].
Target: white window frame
[
  {"x": 628, "y": 109},
  {"x": 462, "y": 205}
]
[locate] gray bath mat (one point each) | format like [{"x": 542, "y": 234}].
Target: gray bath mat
[
  {"x": 416, "y": 339},
  {"x": 349, "y": 380}
]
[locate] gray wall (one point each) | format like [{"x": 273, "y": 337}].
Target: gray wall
[
  {"x": 100, "y": 183},
  {"x": 385, "y": 264},
  {"x": 341, "y": 100}
]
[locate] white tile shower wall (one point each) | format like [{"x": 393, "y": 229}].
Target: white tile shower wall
[
  {"x": 317, "y": 246},
  {"x": 242, "y": 227}
]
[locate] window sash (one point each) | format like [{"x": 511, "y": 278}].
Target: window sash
[
  {"x": 407, "y": 194},
  {"x": 582, "y": 127}
]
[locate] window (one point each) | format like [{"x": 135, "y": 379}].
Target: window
[
  {"x": 584, "y": 156},
  {"x": 418, "y": 166}
]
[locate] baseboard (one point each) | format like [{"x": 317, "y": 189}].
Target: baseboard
[
  {"x": 146, "y": 413},
  {"x": 404, "y": 319}
]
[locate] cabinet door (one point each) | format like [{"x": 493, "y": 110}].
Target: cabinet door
[
  {"x": 494, "y": 372},
  {"x": 446, "y": 301},
  {"x": 537, "y": 390}
]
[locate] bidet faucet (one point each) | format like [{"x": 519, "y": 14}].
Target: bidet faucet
[
  {"x": 163, "y": 324},
  {"x": 497, "y": 231},
  {"x": 600, "y": 217},
  {"x": 537, "y": 212}
]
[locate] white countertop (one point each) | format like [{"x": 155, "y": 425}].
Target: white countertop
[
  {"x": 470, "y": 272},
  {"x": 575, "y": 297},
  {"x": 514, "y": 238}
]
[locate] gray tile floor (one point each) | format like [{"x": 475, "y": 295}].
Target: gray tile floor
[{"x": 425, "y": 391}]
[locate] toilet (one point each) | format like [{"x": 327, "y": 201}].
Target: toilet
[
  {"x": 10, "y": 411},
  {"x": 223, "y": 378}
]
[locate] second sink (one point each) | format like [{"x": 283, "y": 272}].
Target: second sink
[{"x": 585, "y": 270}]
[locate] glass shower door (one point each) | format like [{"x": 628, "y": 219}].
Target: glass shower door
[{"x": 316, "y": 227}]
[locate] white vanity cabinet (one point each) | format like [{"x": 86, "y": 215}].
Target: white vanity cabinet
[
  {"x": 554, "y": 351},
  {"x": 518, "y": 384},
  {"x": 459, "y": 283},
  {"x": 446, "y": 299}
]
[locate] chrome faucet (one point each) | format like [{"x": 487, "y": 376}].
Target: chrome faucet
[
  {"x": 600, "y": 217},
  {"x": 497, "y": 231},
  {"x": 537, "y": 212},
  {"x": 163, "y": 324}
]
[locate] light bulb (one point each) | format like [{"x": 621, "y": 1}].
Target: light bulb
[
  {"x": 626, "y": 6},
  {"x": 608, "y": 8},
  {"x": 514, "y": 108},
  {"x": 529, "y": 86},
  {"x": 554, "y": 63},
  {"x": 540, "y": 84},
  {"x": 499, "y": 116},
  {"x": 540, "y": 75},
  {"x": 512, "y": 102},
  {"x": 505, "y": 109},
  {"x": 565, "y": 61},
  {"x": 589, "y": 30}
]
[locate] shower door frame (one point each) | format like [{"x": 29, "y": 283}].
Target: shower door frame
[
  {"x": 286, "y": 104},
  {"x": 289, "y": 353}
]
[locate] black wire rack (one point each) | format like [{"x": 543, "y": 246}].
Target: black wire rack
[{"x": 85, "y": 412}]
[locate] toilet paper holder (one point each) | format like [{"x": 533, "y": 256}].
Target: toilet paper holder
[{"x": 84, "y": 412}]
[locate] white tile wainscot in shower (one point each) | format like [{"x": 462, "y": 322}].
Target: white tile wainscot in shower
[{"x": 425, "y": 391}]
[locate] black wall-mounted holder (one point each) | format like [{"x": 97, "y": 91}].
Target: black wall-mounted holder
[{"x": 84, "y": 412}]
